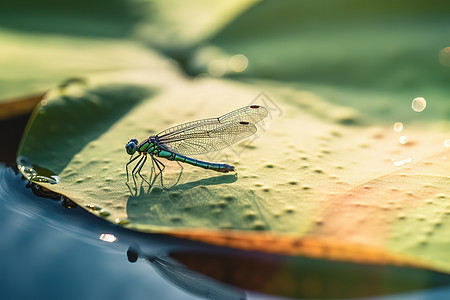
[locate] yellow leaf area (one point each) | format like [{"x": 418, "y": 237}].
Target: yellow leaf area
[{"x": 312, "y": 182}]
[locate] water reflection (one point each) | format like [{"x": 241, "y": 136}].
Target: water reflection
[
  {"x": 229, "y": 273},
  {"x": 188, "y": 279},
  {"x": 108, "y": 237}
]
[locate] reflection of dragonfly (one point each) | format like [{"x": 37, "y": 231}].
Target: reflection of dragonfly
[
  {"x": 187, "y": 279},
  {"x": 193, "y": 282},
  {"x": 196, "y": 137}
]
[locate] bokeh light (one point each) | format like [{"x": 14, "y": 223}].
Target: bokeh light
[
  {"x": 444, "y": 57},
  {"x": 419, "y": 104},
  {"x": 238, "y": 63},
  {"x": 398, "y": 126}
]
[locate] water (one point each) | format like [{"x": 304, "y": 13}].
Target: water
[
  {"x": 51, "y": 252},
  {"x": 51, "y": 249}
]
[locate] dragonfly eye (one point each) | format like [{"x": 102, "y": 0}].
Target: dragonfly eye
[{"x": 131, "y": 147}]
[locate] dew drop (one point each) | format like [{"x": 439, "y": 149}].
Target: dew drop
[
  {"x": 93, "y": 207},
  {"x": 419, "y": 104},
  {"x": 398, "y": 126},
  {"x": 121, "y": 221},
  {"x": 104, "y": 213},
  {"x": 447, "y": 143}
]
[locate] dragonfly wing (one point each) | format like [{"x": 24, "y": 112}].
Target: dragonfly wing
[
  {"x": 186, "y": 127},
  {"x": 252, "y": 114},
  {"x": 207, "y": 137}
]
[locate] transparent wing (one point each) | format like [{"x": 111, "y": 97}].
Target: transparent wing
[
  {"x": 252, "y": 114},
  {"x": 203, "y": 136},
  {"x": 208, "y": 137}
]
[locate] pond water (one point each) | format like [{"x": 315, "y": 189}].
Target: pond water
[{"x": 52, "y": 250}]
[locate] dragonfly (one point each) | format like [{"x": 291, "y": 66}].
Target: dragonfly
[{"x": 193, "y": 138}]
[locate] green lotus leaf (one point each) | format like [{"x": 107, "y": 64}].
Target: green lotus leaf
[
  {"x": 325, "y": 177},
  {"x": 307, "y": 184}
]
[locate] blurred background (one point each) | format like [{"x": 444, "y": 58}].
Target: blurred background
[{"x": 366, "y": 53}]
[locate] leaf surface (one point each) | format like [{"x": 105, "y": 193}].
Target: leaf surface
[{"x": 331, "y": 191}]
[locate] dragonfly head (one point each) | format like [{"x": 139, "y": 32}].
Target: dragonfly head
[{"x": 131, "y": 146}]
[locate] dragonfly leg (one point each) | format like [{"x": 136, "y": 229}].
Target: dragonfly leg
[
  {"x": 131, "y": 160},
  {"x": 153, "y": 172},
  {"x": 140, "y": 168},
  {"x": 136, "y": 167},
  {"x": 158, "y": 164}
]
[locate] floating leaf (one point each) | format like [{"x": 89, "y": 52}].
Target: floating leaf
[{"x": 308, "y": 184}]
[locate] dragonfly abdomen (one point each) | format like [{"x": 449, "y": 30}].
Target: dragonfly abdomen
[{"x": 219, "y": 167}]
